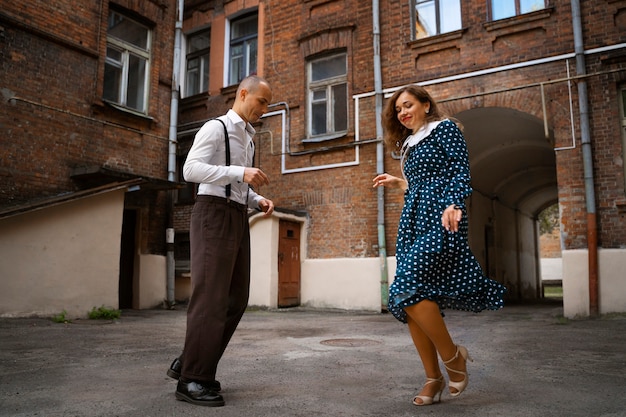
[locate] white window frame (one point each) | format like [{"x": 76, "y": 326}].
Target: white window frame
[
  {"x": 521, "y": 7},
  {"x": 126, "y": 49},
  {"x": 204, "y": 83},
  {"x": 442, "y": 17},
  {"x": 247, "y": 42},
  {"x": 328, "y": 86}
]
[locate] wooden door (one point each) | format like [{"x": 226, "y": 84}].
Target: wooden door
[{"x": 289, "y": 264}]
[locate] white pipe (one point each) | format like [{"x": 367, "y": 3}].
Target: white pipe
[
  {"x": 390, "y": 91},
  {"x": 380, "y": 156},
  {"x": 511, "y": 66},
  {"x": 285, "y": 150},
  {"x": 571, "y": 111},
  {"x": 171, "y": 164}
]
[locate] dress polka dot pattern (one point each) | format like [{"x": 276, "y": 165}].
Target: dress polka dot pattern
[{"x": 433, "y": 263}]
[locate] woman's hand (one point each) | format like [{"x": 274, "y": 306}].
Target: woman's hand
[
  {"x": 387, "y": 180},
  {"x": 451, "y": 217}
]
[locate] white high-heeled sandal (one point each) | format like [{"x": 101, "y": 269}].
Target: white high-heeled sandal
[
  {"x": 460, "y": 385},
  {"x": 426, "y": 400}
]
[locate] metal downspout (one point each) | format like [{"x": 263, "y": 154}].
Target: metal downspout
[
  {"x": 171, "y": 162},
  {"x": 592, "y": 234},
  {"x": 380, "y": 165}
]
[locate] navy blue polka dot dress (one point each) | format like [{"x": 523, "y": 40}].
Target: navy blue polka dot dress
[{"x": 433, "y": 263}]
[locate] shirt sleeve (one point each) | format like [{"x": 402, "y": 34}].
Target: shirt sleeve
[
  {"x": 458, "y": 177},
  {"x": 254, "y": 199},
  {"x": 202, "y": 164}
]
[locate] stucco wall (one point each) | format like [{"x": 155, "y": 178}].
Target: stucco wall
[
  {"x": 264, "y": 261},
  {"x": 612, "y": 284},
  {"x": 62, "y": 258},
  {"x": 151, "y": 291}
]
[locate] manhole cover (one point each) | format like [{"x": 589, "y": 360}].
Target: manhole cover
[{"x": 349, "y": 342}]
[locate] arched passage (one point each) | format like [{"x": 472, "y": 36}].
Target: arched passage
[{"x": 514, "y": 178}]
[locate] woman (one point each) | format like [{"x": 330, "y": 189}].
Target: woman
[{"x": 435, "y": 266}]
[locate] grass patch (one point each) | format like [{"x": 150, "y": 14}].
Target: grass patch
[
  {"x": 103, "y": 313},
  {"x": 550, "y": 291},
  {"x": 61, "y": 317}
]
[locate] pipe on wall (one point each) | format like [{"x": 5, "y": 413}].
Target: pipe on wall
[
  {"x": 592, "y": 233},
  {"x": 380, "y": 166},
  {"x": 171, "y": 161}
]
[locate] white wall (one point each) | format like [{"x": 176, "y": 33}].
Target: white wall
[
  {"x": 345, "y": 283},
  {"x": 528, "y": 253},
  {"x": 342, "y": 283},
  {"x": 354, "y": 283},
  {"x": 264, "y": 261},
  {"x": 611, "y": 278},
  {"x": 64, "y": 257},
  {"x": 151, "y": 288},
  {"x": 514, "y": 257}
]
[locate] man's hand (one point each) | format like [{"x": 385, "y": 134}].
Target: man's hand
[
  {"x": 255, "y": 177},
  {"x": 266, "y": 206}
]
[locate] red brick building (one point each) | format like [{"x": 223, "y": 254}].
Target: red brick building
[
  {"x": 84, "y": 125},
  {"x": 539, "y": 85}
]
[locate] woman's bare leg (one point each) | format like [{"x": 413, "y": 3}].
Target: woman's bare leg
[
  {"x": 427, "y": 317},
  {"x": 425, "y": 348},
  {"x": 428, "y": 355}
]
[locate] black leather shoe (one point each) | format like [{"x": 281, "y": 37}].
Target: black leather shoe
[
  {"x": 198, "y": 394},
  {"x": 177, "y": 366}
]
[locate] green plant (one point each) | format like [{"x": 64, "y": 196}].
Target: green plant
[
  {"x": 103, "y": 313},
  {"x": 61, "y": 317},
  {"x": 549, "y": 219}
]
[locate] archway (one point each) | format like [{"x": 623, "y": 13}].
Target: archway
[{"x": 514, "y": 178}]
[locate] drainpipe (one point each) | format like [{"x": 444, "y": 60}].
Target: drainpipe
[
  {"x": 592, "y": 233},
  {"x": 380, "y": 166},
  {"x": 171, "y": 162}
]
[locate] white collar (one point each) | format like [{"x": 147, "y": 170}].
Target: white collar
[
  {"x": 416, "y": 138},
  {"x": 421, "y": 133}
]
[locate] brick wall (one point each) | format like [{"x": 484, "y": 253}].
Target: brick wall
[
  {"x": 53, "y": 67},
  {"x": 340, "y": 202}
]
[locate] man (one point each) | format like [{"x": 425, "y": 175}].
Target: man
[{"x": 220, "y": 239}]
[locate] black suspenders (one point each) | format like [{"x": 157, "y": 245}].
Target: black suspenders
[
  {"x": 227, "y": 142},
  {"x": 227, "y": 153}
]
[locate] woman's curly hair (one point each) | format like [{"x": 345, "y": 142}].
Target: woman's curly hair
[{"x": 395, "y": 132}]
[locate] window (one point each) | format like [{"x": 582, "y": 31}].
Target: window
[
  {"x": 501, "y": 9},
  {"x": 127, "y": 63},
  {"x": 434, "y": 17},
  {"x": 197, "y": 75},
  {"x": 243, "y": 48},
  {"x": 328, "y": 96}
]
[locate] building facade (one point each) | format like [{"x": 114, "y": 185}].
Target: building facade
[
  {"x": 84, "y": 121},
  {"x": 538, "y": 86}
]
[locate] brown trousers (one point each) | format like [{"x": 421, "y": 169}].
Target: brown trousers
[{"x": 220, "y": 279}]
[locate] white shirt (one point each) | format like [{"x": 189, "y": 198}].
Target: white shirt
[{"x": 206, "y": 161}]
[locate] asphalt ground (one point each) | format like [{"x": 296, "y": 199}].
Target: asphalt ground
[{"x": 528, "y": 361}]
